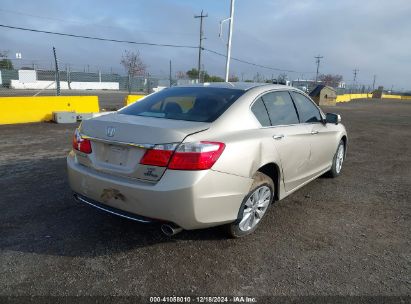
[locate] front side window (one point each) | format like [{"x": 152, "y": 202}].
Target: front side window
[
  {"x": 306, "y": 109},
  {"x": 280, "y": 108},
  {"x": 202, "y": 104}
]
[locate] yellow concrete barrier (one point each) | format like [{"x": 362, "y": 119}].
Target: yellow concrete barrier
[
  {"x": 348, "y": 97},
  {"x": 391, "y": 96},
  {"x": 129, "y": 99},
  {"x": 40, "y": 108}
]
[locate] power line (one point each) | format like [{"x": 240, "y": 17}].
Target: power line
[
  {"x": 252, "y": 63},
  {"x": 85, "y": 23},
  {"x": 97, "y": 38},
  {"x": 149, "y": 44}
]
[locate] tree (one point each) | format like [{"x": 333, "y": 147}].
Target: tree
[
  {"x": 282, "y": 78},
  {"x": 330, "y": 80},
  {"x": 233, "y": 78},
  {"x": 133, "y": 64},
  {"x": 213, "y": 79},
  {"x": 193, "y": 73},
  {"x": 5, "y": 63},
  {"x": 258, "y": 77},
  {"x": 181, "y": 75}
]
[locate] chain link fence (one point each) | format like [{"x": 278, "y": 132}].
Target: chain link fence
[
  {"x": 11, "y": 81},
  {"x": 111, "y": 88}
]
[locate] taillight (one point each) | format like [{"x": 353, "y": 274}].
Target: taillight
[
  {"x": 196, "y": 156},
  {"x": 188, "y": 156},
  {"x": 81, "y": 144},
  {"x": 159, "y": 155}
]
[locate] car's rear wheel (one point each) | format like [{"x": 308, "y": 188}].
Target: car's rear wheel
[
  {"x": 338, "y": 160},
  {"x": 254, "y": 206}
]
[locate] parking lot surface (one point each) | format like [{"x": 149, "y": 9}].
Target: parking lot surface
[{"x": 343, "y": 236}]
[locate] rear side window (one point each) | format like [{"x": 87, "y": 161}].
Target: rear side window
[
  {"x": 203, "y": 104},
  {"x": 260, "y": 112},
  {"x": 306, "y": 109},
  {"x": 280, "y": 108}
]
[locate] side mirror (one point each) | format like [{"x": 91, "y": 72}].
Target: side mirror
[{"x": 333, "y": 118}]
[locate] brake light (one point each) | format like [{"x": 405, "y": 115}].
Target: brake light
[
  {"x": 81, "y": 144},
  {"x": 196, "y": 156},
  {"x": 159, "y": 155},
  {"x": 188, "y": 156}
]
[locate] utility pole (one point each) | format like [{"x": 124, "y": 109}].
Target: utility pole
[
  {"x": 170, "y": 75},
  {"x": 317, "y": 61},
  {"x": 355, "y": 71},
  {"x": 230, "y": 34},
  {"x": 373, "y": 82},
  {"x": 57, "y": 73},
  {"x": 200, "y": 47}
]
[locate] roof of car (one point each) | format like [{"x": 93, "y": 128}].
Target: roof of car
[{"x": 236, "y": 85}]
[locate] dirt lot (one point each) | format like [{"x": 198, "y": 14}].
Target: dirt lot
[{"x": 344, "y": 236}]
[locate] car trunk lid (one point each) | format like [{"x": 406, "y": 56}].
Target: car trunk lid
[{"x": 119, "y": 142}]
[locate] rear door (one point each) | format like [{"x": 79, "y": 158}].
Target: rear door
[
  {"x": 291, "y": 139},
  {"x": 322, "y": 137}
]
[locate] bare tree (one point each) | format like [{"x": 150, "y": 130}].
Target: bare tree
[
  {"x": 330, "y": 80},
  {"x": 4, "y": 54},
  {"x": 233, "y": 78},
  {"x": 258, "y": 77},
  {"x": 133, "y": 64},
  {"x": 282, "y": 78},
  {"x": 181, "y": 75},
  {"x": 5, "y": 63}
]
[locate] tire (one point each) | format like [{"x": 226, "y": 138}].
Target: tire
[
  {"x": 262, "y": 187},
  {"x": 338, "y": 161}
]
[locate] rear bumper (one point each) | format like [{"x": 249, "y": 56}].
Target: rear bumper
[
  {"x": 130, "y": 216},
  {"x": 190, "y": 199}
]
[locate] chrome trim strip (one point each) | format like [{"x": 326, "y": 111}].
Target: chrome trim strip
[
  {"x": 110, "y": 211},
  {"x": 143, "y": 146}
]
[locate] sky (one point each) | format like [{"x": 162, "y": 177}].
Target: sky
[{"x": 372, "y": 36}]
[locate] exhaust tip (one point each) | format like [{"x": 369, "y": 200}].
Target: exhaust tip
[{"x": 170, "y": 230}]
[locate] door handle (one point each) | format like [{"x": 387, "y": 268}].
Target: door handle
[
  {"x": 278, "y": 137},
  {"x": 314, "y": 132}
]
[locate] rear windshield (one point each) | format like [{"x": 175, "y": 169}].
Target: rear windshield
[{"x": 203, "y": 104}]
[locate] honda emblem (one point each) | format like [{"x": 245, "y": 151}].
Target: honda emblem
[{"x": 110, "y": 131}]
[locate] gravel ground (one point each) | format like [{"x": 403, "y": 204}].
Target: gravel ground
[{"x": 344, "y": 236}]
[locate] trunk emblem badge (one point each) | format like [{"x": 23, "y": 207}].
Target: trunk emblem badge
[{"x": 110, "y": 131}]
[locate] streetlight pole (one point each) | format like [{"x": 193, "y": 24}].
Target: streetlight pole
[{"x": 230, "y": 33}]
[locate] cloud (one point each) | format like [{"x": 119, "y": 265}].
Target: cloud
[{"x": 370, "y": 35}]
